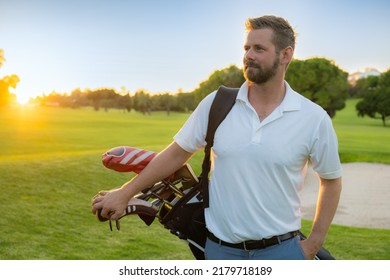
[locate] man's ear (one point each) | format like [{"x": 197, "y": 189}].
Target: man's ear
[{"x": 286, "y": 55}]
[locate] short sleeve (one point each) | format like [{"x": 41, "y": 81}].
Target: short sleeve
[
  {"x": 191, "y": 137},
  {"x": 324, "y": 153}
]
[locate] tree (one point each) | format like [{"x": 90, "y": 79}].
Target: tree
[
  {"x": 102, "y": 97},
  {"x": 142, "y": 102},
  {"x": 363, "y": 86},
  {"x": 124, "y": 102},
  {"x": 231, "y": 76},
  {"x": 321, "y": 81},
  {"x": 185, "y": 101},
  {"x": 56, "y": 99},
  {"x": 6, "y": 83},
  {"x": 163, "y": 102},
  {"x": 108, "y": 98},
  {"x": 376, "y": 102},
  {"x": 78, "y": 98},
  {"x": 95, "y": 97}
]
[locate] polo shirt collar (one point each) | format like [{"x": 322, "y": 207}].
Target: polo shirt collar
[
  {"x": 243, "y": 93},
  {"x": 291, "y": 102}
]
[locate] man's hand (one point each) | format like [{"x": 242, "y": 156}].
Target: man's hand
[
  {"x": 111, "y": 203},
  {"x": 309, "y": 248}
]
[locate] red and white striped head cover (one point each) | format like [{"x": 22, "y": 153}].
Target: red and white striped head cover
[{"x": 127, "y": 159}]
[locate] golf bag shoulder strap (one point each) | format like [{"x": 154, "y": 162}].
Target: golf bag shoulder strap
[
  {"x": 221, "y": 106},
  {"x": 223, "y": 102}
]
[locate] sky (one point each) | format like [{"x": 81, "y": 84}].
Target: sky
[{"x": 172, "y": 45}]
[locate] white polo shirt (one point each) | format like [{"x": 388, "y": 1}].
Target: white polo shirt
[{"x": 259, "y": 167}]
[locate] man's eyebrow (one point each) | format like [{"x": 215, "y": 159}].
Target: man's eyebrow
[{"x": 255, "y": 45}]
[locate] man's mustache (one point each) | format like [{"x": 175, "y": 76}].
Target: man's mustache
[{"x": 251, "y": 64}]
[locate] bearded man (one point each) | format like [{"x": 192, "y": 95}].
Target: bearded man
[{"x": 260, "y": 155}]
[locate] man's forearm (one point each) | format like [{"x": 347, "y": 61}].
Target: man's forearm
[
  {"x": 161, "y": 167},
  {"x": 328, "y": 200}
]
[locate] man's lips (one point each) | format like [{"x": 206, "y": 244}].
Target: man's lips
[{"x": 251, "y": 65}]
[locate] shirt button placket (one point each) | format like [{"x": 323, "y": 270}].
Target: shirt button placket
[{"x": 257, "y": 130}]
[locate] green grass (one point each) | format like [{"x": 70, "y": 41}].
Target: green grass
[
  {"x": 50, "y": 167},
  {"x": 361, "y": 139}
]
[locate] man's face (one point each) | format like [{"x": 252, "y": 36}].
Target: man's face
[{"x": 261, "y": 61}]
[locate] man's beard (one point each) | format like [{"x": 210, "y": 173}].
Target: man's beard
[{"x": 258, "y": 74}]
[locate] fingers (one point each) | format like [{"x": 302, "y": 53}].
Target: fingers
[
  {"x": 102, "y": 213},
  {"x": 96, "y": 203},
  {"x": 95, "y": 208},
  {"x": 106, "y": 213},
  {"x": 114, "y": 215},
  {"x": 101, "y": 210},
  {"x": 107, "y": 206}
]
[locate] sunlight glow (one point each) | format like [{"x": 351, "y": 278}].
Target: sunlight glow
[{"x": 22, "y": 99}]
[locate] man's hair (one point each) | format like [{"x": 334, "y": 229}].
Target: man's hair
[{"x": 284, "y": 35}]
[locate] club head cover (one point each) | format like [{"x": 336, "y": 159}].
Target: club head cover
[{"x": 127, "y": 159}]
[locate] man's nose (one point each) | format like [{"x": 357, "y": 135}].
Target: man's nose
[{"x": 249, "y": 54}]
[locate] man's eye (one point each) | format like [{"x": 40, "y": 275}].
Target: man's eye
[{"x": 258, "y": 49}]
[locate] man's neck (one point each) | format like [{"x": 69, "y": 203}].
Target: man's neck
[
  {"x": 272, "y": 92},
  {"x": 265, "y": 98}
]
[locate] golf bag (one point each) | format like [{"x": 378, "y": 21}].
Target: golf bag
[{"x": 179, "y": 200}]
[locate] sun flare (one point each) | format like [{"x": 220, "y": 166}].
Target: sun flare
[{"x": 22, "y": 99}]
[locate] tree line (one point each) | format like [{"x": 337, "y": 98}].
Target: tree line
[
  {"x": 142, "y": 100},
  {"x": 108, "y": 98},
  {"x": 318, "y": 79}
]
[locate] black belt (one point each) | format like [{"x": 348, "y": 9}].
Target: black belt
[{"x": 255, "y": 244}]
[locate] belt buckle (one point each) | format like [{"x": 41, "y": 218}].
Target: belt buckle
[
  {"x": 244, "y": 243},
  {"x": 264, "y": 245}
]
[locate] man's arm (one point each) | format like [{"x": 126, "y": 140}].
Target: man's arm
[
  {"x": 327, "y": 202},
  {"x": 114, "y": 202}
]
